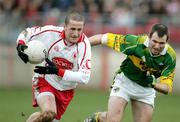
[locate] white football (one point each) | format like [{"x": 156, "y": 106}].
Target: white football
[{"x": 36, "y": 51}]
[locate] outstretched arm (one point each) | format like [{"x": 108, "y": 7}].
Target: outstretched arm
[{"x": 96, "y": 39}]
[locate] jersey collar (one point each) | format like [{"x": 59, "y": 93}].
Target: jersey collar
[{"x": 81, "y": 38}]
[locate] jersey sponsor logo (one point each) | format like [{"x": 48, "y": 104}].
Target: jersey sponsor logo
[
  {"x": 62, "y": 63},
  {"x": 142, "y": 65}
]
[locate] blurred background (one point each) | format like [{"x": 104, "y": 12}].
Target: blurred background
[{"x": 102, "y": 16}]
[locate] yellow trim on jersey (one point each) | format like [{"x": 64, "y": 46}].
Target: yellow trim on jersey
[
  {"x": 171, "y": 52},
  {"x": 115, "y": 40},
  {"x": 142, "y": 39},
  {"x": 168, "y": 80},
  {"x": 137, "y": 62}
]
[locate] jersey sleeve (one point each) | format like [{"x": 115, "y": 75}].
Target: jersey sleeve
[
  {"x": 167, "y": 75},
  {"x": 26, "y": 35},
  {"x": 84, "y": 63},
  {"x": 121, "y": 43}
]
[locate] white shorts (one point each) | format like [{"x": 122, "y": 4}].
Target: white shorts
[{"x": 125, "y": 88}]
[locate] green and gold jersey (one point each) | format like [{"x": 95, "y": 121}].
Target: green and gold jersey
[{"x": 139, "y": 60}]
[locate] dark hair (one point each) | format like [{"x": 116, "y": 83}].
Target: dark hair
[
  {"x": 74, "y": 16},
  {"x": 160, "y": 29}
]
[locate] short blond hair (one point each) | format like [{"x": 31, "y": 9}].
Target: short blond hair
[{"x": 74, "y": 16}]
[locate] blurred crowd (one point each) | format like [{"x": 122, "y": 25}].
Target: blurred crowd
[
  {"x": 124, "y": 13},
  {"x": 119, "y": 12}
]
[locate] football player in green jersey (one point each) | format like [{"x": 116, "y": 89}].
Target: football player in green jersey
[{"x": 148, "y": 57}]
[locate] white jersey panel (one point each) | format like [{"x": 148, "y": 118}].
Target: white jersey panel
[{"x": 75, "y": 58}]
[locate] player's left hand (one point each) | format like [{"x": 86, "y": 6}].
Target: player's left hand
[{"x": 50, "y": 69}]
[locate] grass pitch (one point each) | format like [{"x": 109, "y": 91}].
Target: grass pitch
[{"x": 15, "y": 106}]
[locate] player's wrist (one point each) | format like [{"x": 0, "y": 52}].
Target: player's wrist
[
  {"x": 61, "y": 72},
  {"x": 21, "y": 42},
  {"x": 104, "y": 38},
  {"x": 152, "y": 85},
  {"x": 153, "y": 81},
  {"x": 21, "y": 47}
]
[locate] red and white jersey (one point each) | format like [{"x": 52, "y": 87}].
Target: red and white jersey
[{"x": 75, "y": 58}]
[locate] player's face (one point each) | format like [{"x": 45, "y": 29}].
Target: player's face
[
  {"x": 157, "y": 44},
  {"x": 73, "y": 30}
]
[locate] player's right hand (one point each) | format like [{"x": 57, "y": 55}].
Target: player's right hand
[
  {"x": 151, "y": 80},
  {"x": 51, "y": 68},
  {"x": 20, "y": 50}
]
